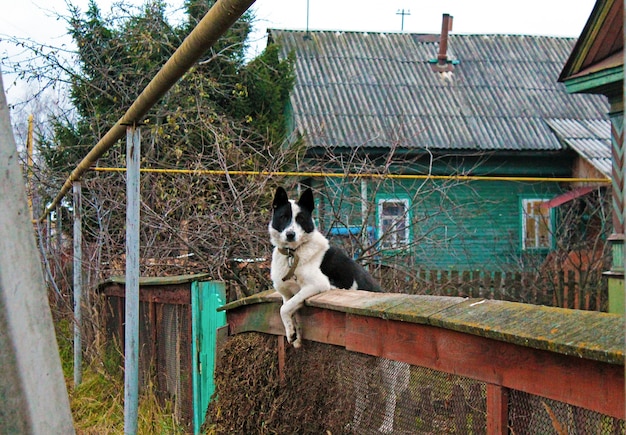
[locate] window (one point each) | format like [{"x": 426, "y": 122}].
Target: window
[
  {"x": 536, "y": 225},
  {"x": 393, "y": 222}
]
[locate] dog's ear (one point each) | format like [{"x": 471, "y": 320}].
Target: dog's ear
[
  {"x": 280, "y": 198},
  {"x": 306, "y": 200}
]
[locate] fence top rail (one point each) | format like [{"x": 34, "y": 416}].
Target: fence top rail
[
  {"x": 156, "y": 280},
  {"x": 585, "y": 334}
]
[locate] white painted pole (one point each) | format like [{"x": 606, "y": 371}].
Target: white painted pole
[
  {"x": 131, "y": 352},
  {"x": 78, "y": 282}
]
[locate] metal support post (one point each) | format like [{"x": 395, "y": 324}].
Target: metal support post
[
  {"x": 78, "y": 282},
  {"x": 131, "y": 350}
]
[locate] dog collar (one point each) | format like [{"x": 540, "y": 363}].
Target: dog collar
[{"x": 292, "y": 261}]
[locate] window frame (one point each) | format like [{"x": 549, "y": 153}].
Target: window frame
[
  {"x": 538, "y": 228},
  {"x": 388, "y": 243}
]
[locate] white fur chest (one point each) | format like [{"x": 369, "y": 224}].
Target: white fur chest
[{"x": 307, "y": 259}]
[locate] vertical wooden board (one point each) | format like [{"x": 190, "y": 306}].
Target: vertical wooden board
[
  {"x": 38, "y": 403},
  {"x": 497, "y": 285},
  {"x": 497, "y": 410},
  {"x": 131, "y": 349},
  {"x": 572, "y": 299}
]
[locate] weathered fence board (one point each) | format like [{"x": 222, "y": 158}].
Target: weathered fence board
[{"x": 581, "y": 290}]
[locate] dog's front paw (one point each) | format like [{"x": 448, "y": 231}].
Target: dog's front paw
[
  {"x": 293, "y": 337},
  {"x": 292, "y": 331}
]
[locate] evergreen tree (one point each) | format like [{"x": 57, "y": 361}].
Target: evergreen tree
[
  {"x": 224, "y": 114},
  {"x": 119, "y": 57}
]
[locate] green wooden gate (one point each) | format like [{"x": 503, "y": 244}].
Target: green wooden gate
[{"x": 206, "y": 297}]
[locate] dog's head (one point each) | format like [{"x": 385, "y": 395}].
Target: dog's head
[{"x": 292, "y": 221}]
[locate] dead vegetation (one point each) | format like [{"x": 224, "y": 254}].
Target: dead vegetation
[{"x": 250, "y": 399}]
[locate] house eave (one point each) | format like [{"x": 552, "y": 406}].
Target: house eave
[{"x": 606, "y": 82}]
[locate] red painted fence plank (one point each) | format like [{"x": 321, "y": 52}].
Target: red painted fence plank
[{"x": 497, "y": 410}]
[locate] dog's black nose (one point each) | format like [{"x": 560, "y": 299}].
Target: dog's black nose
[{"x": 290, "y": 235}]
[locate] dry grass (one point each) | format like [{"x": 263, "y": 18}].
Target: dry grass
[{"x": 98, "y": 402}]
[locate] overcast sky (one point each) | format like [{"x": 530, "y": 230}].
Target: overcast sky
[{"x": 36, "y": 19}]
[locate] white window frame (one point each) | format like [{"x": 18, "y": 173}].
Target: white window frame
[
  {"x": 390, "y": 239},
  {"x": 537, "y": 225}
]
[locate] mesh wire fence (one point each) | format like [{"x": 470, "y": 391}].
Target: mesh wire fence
[
  {"x": 328, "y": 390},
  {"x": 529, "y": 414},
  {"x": 394, "y": 397},
  {"x": 164, "y": 351}
]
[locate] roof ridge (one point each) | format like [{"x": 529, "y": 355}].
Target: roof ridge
[{"x": 404, "y": 33}]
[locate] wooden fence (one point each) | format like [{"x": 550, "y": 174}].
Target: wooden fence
[
  {"x": 474, "y": 366},
  {"x": 579, "y": 290}
]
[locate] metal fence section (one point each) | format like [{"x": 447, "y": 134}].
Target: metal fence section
[
  {"x": 391, "y": 363},
  {"x": 395, "y": 397}
]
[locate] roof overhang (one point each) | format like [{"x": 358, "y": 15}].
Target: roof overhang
[
  {"x": 601, "y": 39},
  {"x": 595, "y": 80},
  {"x": 568, "y": 196}
]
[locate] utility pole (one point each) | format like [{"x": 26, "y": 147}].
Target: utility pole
[{"x": 403, "y": 13}]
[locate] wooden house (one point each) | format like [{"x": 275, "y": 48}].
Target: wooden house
[
  {"x": 596, "y": 66},
  {"x": 458, "y": 142}
]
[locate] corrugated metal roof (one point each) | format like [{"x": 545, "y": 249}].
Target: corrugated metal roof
[
  {"x": 378, "y": 90},
  {"x": 591, "y": 139}
]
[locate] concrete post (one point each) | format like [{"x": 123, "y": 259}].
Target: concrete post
[{"x": 33, "y": 396}]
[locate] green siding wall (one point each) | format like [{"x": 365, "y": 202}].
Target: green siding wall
[{"x": 455, "y": 225}]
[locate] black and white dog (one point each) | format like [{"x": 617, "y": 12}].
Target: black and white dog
[
  {"x": 303, "y": 262},
  {"x": 304, "y": 265}
]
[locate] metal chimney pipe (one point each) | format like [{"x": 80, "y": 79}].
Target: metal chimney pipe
[{"x": 446, "y": 27}]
